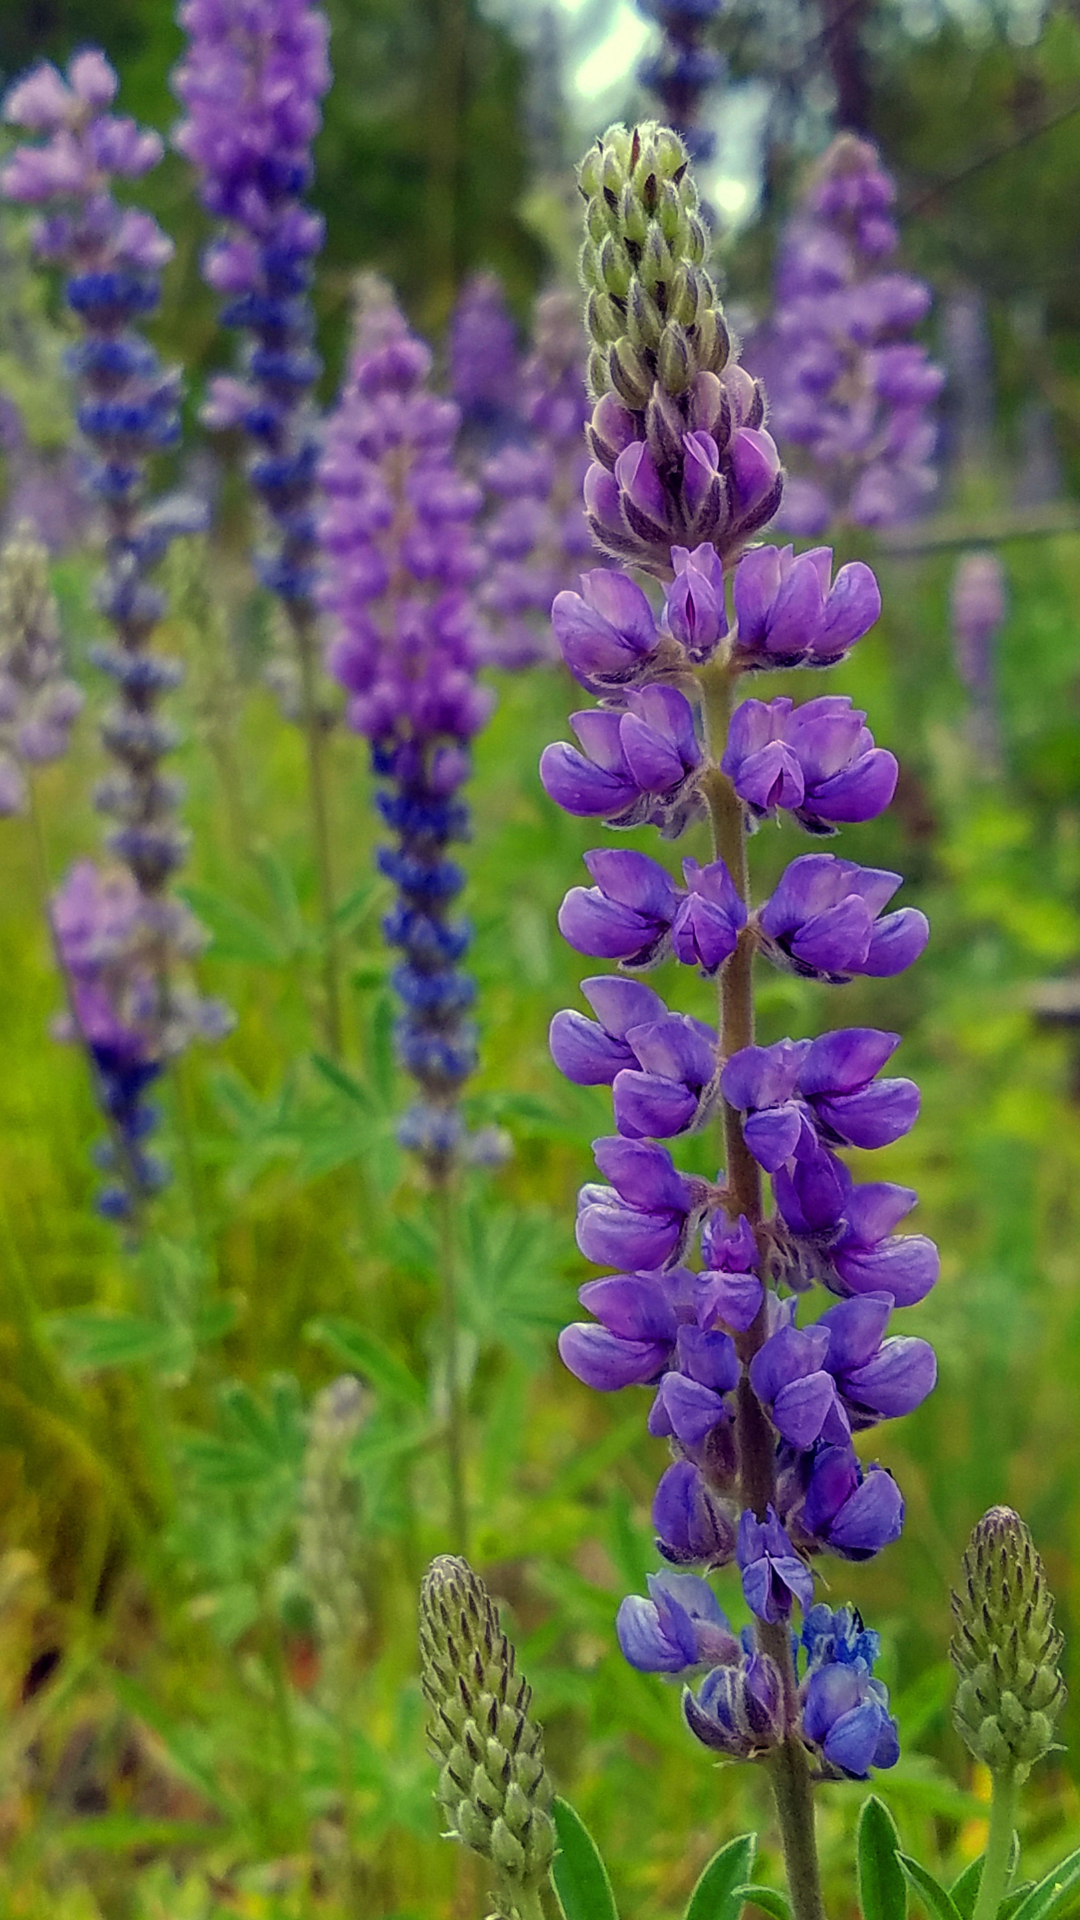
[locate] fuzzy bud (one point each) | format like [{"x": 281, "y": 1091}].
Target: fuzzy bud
[
  {"x": 1005, "y": 1648},
  {"x": 492, "y": 1786}
]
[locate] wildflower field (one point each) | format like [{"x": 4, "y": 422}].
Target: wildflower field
[{"x": 540, "y": 938}]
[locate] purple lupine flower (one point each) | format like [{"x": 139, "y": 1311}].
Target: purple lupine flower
[
  {"x": 738, "y": 1710},
  {"x": 790, "y": 612},
  {"x": 38, "y": 704},
  {"x": 638, "y": 765},
  {"x": 844, "y": 1710},
  {"x": 876, "y": 1379},
  {"x": 534, "y": 532},
  {"x": 798, "y": 1094},
  {"x": 842, "y": 1234},
  {"x": 790, "y": 1378},
  {"x": 607, "y": 632},
  {"x": 851, "y": 401},
  {"x": 706, "y": 927},
  {"x": 642, "y": 1221},
  {"x": 592, "y": 1052},
  {"x": 483, "y": 361},
  {"x": 773, "y": 1576},
  {"x": 399, "y": 559},
  {"x": 852, "y": 1510},
  {"x": 666, "y": 1091},
  {"x": 817, "y": 761},
  {"x": 728, "y": 1289},
  {"x": 694, "y": 1524},
  {"x": 683, "y": 69},
  {"x": 627, "y": 915},
  {"x": 128, "y": 412},
  {"x": 824, "y": 921},
  {"x": 639, "y": 1316},
  {"x": 690, "y": 1398},
  {"x": 680, "y": 1625},
  {"x": 694, "y": 611},
  {"x": 250, "y": 82}
]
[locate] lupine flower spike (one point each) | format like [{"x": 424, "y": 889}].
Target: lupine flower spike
[
  {"x": 329, "y": 1540},
  {"x": 112, "y": 257},
  {"x": 851, "y": 393},
  {"x": 250, "y": 82},
  {"x": 493, "y": 1789},
  {"x": 700, "y": 1307}
]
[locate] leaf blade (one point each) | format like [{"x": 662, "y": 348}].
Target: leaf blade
[
  {"x": 882, "y": 1888},
  {"x": 713, "y": 1897},
  {"x": 578, "y": 1871},
  {"x": 937, "y": 1900}
]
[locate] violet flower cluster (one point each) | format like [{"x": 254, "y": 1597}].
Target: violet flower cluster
[
  {"x": 683, "y": 70},
  {"x": 851, "y": 393},
  {"x": 484, "y": 364},
  {"x": 400, "y": 560},
  {"x": 112, "y": 258},
  {"x": 534, "y": 531},
  {"x": 250, "y": 81},
  {"x": 759, "y": 1404}
]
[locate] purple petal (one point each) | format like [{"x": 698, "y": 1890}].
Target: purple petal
[
  {"x": 844, "y": 1060},
  {"x": 896, "y": 942},
  {"x": 584, "y": 1053},
  {"x": 895, "y": 1381},
  {"x": 632, "y": 1306},
  {"x": 875, "y": 1116},
  {"x": 604, "y": 1361},
  {"x": 620, "y": 1004},
  {"x": 646, "y": 1106},
  {"x": 856, "y": 1330},
  {"x": 580, "y": 787}
]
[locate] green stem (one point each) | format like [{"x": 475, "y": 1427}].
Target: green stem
[
  {"x": 789, "y": 1768},
  {"x": 303, "y": 626},
  {"x": 443, "y": 1180},
  {"x": 995, "y": 1871}
]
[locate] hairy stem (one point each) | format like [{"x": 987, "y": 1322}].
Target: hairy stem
[
  {"x": 792, "y": 1786},
  {"x": 995, "y": 1871},
  {"x": 303, "y": 626},
  {"x": 443, "y": 1181}
]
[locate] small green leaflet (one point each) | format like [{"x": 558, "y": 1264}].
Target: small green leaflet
[
  {"x": 767, "y": 1898},
  {"x": 939, "y": 1903},
  {"x": 362, "y": 1350},
  {"x": 580, "y": 1876},
  {"x": 882, "y": 1893},
  {"x": 715, "y": 1895}
]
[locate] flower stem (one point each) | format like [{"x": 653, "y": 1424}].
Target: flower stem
[
  {"x": 303, "y": 626},
  {"x": 792, "y": 1787},
  {"x": 995, "y": 1871},
  {"x": 443, "y": 1180}
]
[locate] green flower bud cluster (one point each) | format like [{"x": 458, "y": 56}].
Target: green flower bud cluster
[
  {"x": 652, "y": 311},
  {"x": 1005, "y": 1649},
  {"x": 492, "y": 1785}
]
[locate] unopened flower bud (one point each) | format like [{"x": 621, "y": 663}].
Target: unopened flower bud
[
  {"x": 1005, "y": 1648},
  {"x": 492, "y": 1787}
]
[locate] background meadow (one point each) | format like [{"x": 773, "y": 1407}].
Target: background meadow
[{"x": 173, "y": 1738}]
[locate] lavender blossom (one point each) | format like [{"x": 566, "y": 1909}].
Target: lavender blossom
[
  {"x": 38, "y": 704},
  {"x": 683, "y": 69},
  {"x": 851, "y": 395},
  {"x": 400, "y": 559},
  {"x": 706, "y": 1280},
  {"x": 127, "y": 413},
  {"x": 535, "y": 532}
]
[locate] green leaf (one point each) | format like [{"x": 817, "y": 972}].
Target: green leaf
[
  {"x": 1056, "y": 1894},
  {"x": 353, "y": 1089},
  {"x": 1014, "y": 1900},
  {"x": 364, "y": 1351},
  {"x": 580, "y": 1876},
  {"x": 90, "y": 1342},
  {"x": 773, "y": 1903},
  {"x": 714, "y": 1897},
  {"x": 882, "y": 1893},
  {"x": 235, "y": 933},
  {"x": 938, "y": 1902},
  {"x": 119, "y": 1832},
  {"x": 349, "y": 912}
]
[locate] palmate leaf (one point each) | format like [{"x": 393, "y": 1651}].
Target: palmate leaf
[
  {"x": 580, "y": 1876},
  {"x": 716, "y": 1895},
  {"x": 882, "y": 1893},
  {"x": 363, "y": 1351},
  {"x": 235, "y": 932},
  {"x": 91, "y": 1340}
]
